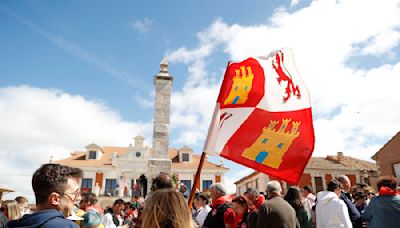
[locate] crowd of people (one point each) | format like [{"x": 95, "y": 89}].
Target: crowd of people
[{"x": 60, "y": 203}]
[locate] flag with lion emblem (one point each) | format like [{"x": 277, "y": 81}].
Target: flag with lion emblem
[{"x": 263, "y": 118}]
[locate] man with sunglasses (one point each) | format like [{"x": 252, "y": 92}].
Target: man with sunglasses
[{"x": 56, "y": 189}]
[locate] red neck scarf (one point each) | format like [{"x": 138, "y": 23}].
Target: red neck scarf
[{"x": 386, "y": 191}]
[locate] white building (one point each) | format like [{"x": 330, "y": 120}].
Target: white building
[{"x": 125, "y": 171}]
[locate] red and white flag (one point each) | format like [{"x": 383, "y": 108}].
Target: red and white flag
[{"x": 263, "y": 117}]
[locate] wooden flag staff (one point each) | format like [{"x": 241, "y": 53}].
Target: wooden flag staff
[{"x": 196, "y": 180}]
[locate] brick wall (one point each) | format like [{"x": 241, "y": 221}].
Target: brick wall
[
  {"x": 389, "y": 155},
  {"x": 305, "y": 180},
  {"x": 328, "y": 178}
]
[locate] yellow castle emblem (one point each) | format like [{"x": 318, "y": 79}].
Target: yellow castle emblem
[
  {"x": 241, "y": 86},
  {"x": 272, "y": 144}
]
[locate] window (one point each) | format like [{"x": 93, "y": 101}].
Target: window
[
  {"x": 92, "y": 155},
  {"x": 138, "y": 154},
  {"x": 188, "y": 184},
  {"x": 111, "y": 185},
  {"x": 206, "y": 184},
  {"x": 185, "y": 157},
  {"x": 87, "y": 185},
  {"x": 396, "y": 168},
  {"x": 257, "y": 183},
  {"x": 318, "y": 184}
]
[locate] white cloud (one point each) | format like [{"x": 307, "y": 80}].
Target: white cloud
[
  {"x": 231, "y": 179},
  {"x": 40, "y": 123},
  {"x": 143, "y": 26},
  {"x": 382, "y": 43},
  {"x": 294, "y": 2},
  {"x": 355, "y": 110}
]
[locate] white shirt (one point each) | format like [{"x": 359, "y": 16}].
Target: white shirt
[
  {"x": 331, "y": 211},
  {"x": 202, "y": 215},
  {"x": 108, "y": 221}
]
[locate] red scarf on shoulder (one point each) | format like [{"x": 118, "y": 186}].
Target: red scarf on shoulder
[{"x": 386, "y": 191}]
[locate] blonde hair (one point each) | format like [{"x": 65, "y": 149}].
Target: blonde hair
[
  {"x": 14, "y": 210},
  {"x": 166, "y": 208}
]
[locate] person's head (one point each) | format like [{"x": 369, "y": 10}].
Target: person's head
[
  {"x": 23, "y": 204},
  {"x": 240, "y": 204},
  {"x": 306, "y": 190},
  {"x": 182, "y": 188},
  {"x": 87, "y": 199},
  {"x": 163, "y": 180},
  {"x": 4, "y": 206},
  {"x": 217, "y": 190},
  {"x": 202, "y": 200},
  {"x": 294, "y": 197},
  {"x": 369, "y": 192},
  {"x": 345, "y": 181},
  {"x": 135, "y": 198},
  {"x": 251, "y": 194},
  {"x": 91, "y": 219},
  {"x": 166, "y": 208},
  {"x": 335, "y": 186},
  {"x": 388, "y": 182},
  {"x": 359, "y": 198},
  {"x": 57, "y": 187},
  {"x": 118, "y": 206},
  {"x": 21, "y": 200},
  {"x": 274, "y": 188}
]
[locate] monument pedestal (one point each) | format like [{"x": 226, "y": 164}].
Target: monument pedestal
[{"x": 155, "y": 167}]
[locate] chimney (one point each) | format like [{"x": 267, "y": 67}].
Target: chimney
[{"x": 339, "y": 156}]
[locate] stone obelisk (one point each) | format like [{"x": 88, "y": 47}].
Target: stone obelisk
[{"x": 159, "y": 161}]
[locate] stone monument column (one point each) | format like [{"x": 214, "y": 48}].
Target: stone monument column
[{"x": 159, "y": 161}]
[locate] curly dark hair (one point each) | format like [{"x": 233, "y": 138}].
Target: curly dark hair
[
  {"x": 51, "y": 178},
  {"x": 387, "y": 181}
]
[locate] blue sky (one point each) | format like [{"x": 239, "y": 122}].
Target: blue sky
[{"x": 77, "y": 72}]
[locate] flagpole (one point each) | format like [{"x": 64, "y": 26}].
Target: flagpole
[{"x": 196, "y": 180}]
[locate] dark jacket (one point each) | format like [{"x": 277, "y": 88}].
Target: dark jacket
[
  {"x": 45, "y": 219},
  {"x": 303, "y": 217},
  {"x": 355, "y": 216},
  {"x": 383, "y": 211},
  {"x": 215, "y": 218},
  {"x": 276, "y": 213}
]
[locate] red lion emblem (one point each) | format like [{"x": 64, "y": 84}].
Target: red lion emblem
[{"x": 284, "y": 75}]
